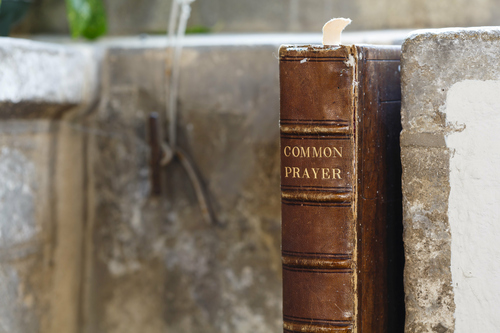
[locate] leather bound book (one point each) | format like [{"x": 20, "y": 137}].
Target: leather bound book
[{"x": 341, "y": 189}]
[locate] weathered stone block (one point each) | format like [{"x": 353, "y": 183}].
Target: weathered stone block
[
  {"x": 450, "y": 109},
  {"x": 42, "y": 191},
  {"x": 40, "y": 80}
]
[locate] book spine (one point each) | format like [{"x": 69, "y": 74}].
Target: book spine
[{"x": 318, "y": 186}]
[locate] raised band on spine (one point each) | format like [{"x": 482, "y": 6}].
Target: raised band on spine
[
  {"x": 317, "y": 263},
  {"x": 301, "y": 129},
  {"x": 316, "y": 196},
  {"x": 312, "y": 328}
]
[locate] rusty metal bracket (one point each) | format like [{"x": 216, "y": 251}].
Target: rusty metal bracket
[
  {"x": 162, "y": 155},
  {"x": 156, "y": 154}
]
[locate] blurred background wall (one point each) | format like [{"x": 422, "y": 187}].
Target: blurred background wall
[{"x": 127, "y": 17}]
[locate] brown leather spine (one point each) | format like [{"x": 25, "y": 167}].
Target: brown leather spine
[{"x": 335, "y": 104}]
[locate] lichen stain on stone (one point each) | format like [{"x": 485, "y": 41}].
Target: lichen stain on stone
[
  {"x": 16, "y": 314},
  {"x": 17, "y": 227},
  {"x": 17, "y": 198}
]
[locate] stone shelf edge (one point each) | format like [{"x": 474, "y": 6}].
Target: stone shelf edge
[
  {"x": 43, "y": 80},
  {"x": 45, "y": 76}
]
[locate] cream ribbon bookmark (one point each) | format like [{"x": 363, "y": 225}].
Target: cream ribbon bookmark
[{"x": 333, "y": 29}]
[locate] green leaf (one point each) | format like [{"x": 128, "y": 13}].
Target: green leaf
[
  {"x": 198, "y": 29},
  {"x": 87, "y": 18}
]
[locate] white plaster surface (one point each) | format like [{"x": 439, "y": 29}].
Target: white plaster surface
[{"x": 473, "y": 115}]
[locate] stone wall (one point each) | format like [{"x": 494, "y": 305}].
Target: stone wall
[
  {"x": 84, "y": 247},
  {"x": 157, "y": 258},
  {"x": 42, "y": 184},
  {"x": 450, "y": 79}
]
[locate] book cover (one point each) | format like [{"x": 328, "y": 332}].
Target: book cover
[{"x": 341, "y": 194}]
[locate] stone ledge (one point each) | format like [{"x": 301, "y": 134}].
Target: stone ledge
[
  {"x": 40, "y": 80},
  {"x": 50, "y": 75},
  {"x": 394, "y": 37}
]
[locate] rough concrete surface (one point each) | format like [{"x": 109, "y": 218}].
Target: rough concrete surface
[{"x": 432, "y": 62}]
